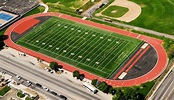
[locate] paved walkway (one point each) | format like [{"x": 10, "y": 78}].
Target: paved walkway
[
  {"x": 45, "y": 6},
  {"x": 156, "y": 43},
  {"x": 141, "y": 29},
  {"x": 145, "y": 30},
  {"x": 91, "y": 10}
]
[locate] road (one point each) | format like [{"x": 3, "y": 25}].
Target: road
[
  {"x": 52, "y": 81},
  {"x": 91, "y": 10},
  {"x": 166, "y": 90}
]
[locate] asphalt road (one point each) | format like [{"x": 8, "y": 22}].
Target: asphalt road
[
  {"x": 33, "y": 86},
  {"x": 166, "y": 89},
  {"x": 52, "y": 81}
]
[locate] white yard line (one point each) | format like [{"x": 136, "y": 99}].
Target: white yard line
[
  {"x": 67, "y": 35},
  {"x": 83, "y": 64},
  {"x": 78, "y": 40},
  {"x": 51, "y": 40},
  {"x": 106, "y": 55},
  {"x": 109, "y": 62},
  {"x": 114, "y": 55},
  {"x": 91, "y": 47},
  {"x": 60, "y": 37},
  {"x": 104, "y": 49},
  {"x": 38, "y": 35}
]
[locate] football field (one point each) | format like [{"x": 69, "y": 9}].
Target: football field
[{"x": 97, "y": 51}]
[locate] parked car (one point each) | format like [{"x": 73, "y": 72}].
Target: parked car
[
  {"x": 63, "y": 97},
  {"x": 29, "y": 83},
  {"x": 45, "y": 88},
  {"x": 39, "y": 85},
  {"x": 18, "y": 77},
  {"x": 54, "y": 93},
  {"x": 51, "y": 72}
]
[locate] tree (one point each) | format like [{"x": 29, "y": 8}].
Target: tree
[
  {"x": 76, "y": 74},
  {"x": 171, "y": 51},
  {"x": 54, "y": 65},
  {"x": 94, "y": 81},
  {"x": 108, "y": 89},
  {"x": 1, "y": 45},
  {"x": 112, "y": 91},
  {"x": 3, "y": 37},
  {"x": 139, "y": 96},
  {"x": 103, "y": 86},
  {"x": 38, "y": 59}
]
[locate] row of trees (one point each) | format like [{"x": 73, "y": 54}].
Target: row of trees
[
  {"x": 103, "y": 86},
  {"x": 124, "y": 93},
  {"x": 2, "y": 38},
  {"x": 77, "y": 74}
]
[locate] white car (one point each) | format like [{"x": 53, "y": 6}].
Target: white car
[
  {"x": 29, "y": 83},
  {"x": 18, "y": 77},
  {"x": 45, "y": 88}
]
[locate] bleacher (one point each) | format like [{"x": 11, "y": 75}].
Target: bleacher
[{"x": 15, "y": 7}]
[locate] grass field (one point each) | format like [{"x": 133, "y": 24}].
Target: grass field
[
  {"x": 69, "y": 5},
  {"x": 115, "y": 11},
  {"x": 156, "y": 15},
  {"x": 91, "y": 49}
]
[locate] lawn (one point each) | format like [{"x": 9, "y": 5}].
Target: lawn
[
  {"x": 130, "y": 92},
  {"x": 156, "y": 15},
  {"x": 4, "y": 90},
  {"x": 70, "y": 5},
  {"x": 91, "y": 49},
  {"x": 39, "y": 9},
  {"x": 115, "y": 11}
]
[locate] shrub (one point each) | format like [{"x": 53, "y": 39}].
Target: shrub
[
  {"x": 20, "y": 94},
  {"x": 103, "y": 86},
  {"x": 94, "y": 81},
  {"x": 4, "y": 90},
  {"x": 54, "y": 66},
  {"x": 76, "y": 74}
]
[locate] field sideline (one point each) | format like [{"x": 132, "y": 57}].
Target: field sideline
[{"x": 91, "y": 49}]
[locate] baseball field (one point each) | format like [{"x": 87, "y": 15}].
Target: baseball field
[
  {"x": 156, "y": 15},
  {"x": 94, "y": 50}
]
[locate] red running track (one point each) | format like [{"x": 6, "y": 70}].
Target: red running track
[
  {"x": 124, "y": 67},
  {"x": 133, "y": 63},
  {"x": 25, "y": 26},
  {"x": 156, "y": 43}
]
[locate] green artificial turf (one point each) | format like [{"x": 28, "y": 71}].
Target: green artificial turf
[{"x": 91, "y": 49}]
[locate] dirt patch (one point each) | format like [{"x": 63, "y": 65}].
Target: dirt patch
[
  {"x": 114, "y": 11},
  {"x": 43, "y": 65}
]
